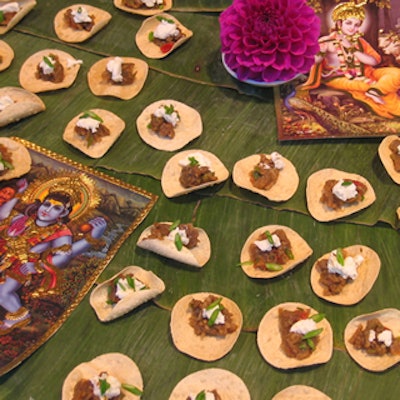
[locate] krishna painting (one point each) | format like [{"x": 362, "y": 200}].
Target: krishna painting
[
  {"x": 60, "y": 225},
  {"x": 353, "y": 88}
]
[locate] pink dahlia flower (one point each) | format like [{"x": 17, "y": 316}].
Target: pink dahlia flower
[{"x": 269, "y": 40}]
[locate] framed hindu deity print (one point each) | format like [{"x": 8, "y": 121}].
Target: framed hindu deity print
[
  {"x": 60, "y": 225},
  {"x": 353, "y": 88}
]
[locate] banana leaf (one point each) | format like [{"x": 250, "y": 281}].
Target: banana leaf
[{"x": 238, "y": 121}]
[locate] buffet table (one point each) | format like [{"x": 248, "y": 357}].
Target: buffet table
[{"x": 238, "y": 120}]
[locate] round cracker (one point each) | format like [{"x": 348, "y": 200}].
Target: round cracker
[
  {"x": 384, "y": 154},
  {"x": 208, "y": 348},
  {"x": 269, "y": 340},
  {"x": 27, "y": 73},
  {"x": 197, "y": 257},
  {"x": 356, "y": 290},
  {"x": 300, "y": 392},
  {"x": 107, "y": 312},
  {"x": 188, "y": 128},
  {"x": 300, "y": 249},
  {"x": 143, "y": 11},
  {"x": 114, "y": 123},
  {"x": 25, "y": 7},
  {"x": 228, "y": 385},
  {"x": 284, "y": 188},
  {"x": 100, "y": 87},
  {"x": 21, "y": 159},
  {"x": 315, "y": 185},
  {"x": 151, "y": 50},
  {"x": 25, "y": 104},
  {"x": 172, "y": 170},
  {"x": 71, "y": 35},
  {"x": 389, "y": 317},
  {"x": 116, "y": 364},
  {"x": 7, "y": 55}
]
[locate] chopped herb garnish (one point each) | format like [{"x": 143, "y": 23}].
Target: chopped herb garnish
[
  {"x": 91, "y": 114},
  {"x": 289, "y": 253},
  {"x": 214, "y": 304},
  {"x": 104, "y": 386},
  {"x": 1, "y": 16},
  {"x": 121, "y": 285},
  {"x": 347, "y": 183},
  {"x": 318, "y": 317},
  {"x": 340, "y": 257},
  {"x": 169, "y": 20},
  {"x": 6, "y": 164},
  {"x": 310, "y": 344},
  {"x": 169, "y": 109},
  {"x": 213, "y": 317},
  {"x": 313, "y": 333},
  {"x": 132, "y": 389},
  {"x": 178, "y": 241},
  {"x": 273, "y": 267},
  {"x": 201, "y": 395},
  {"x": 151, "y": 36},
  {"x": 245, "y": 263},
  {"x": 48, "y": 62},
  {"x": 193, "y": 161},
  {"x": 269, "y": 237},
  {"x": 79, "y": 10},
  {"x": 174, "y": 225},
  {"x": 131, "y": 282}
]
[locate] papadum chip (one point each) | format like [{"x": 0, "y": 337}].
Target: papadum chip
[
  {"x": 292, "y": 255},
  {"x": 300, "y": 392},
  {"x": 54, "y": 62},
  {"x": 388, "y": 151},
  {"x": 17, "y": 103},
  {"x": 6, "y": 55},
  {"x": 160, "y": 35},
  {"x": 269, "y": 339},
  {"x": 390, "y": 319},
  {"x": 14, "y": 14},
  {"x": 140, "y": 287},
  {"x": 209, "y": 171},
  {"x": 204, "y": 346},
  {"x": 87, "y": 142},
  {"x": 228, "y": 385},
  {"x": 20, "y": 162},
  {"x": 130, "y": 6},
  {"x": 116, "y": 365},
  {"x": 187, "y": 127},
  {"x": 315, "y": 190},
  {"x": 285, "y": 186},
  {"x": 167, "y": 246},
  {"x": 101, "y": 84},
  {"x": 353, "y": 274},
  {"x": 87, "y": 21}
]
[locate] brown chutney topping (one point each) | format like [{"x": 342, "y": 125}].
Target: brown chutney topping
[
  {"x": 264, "y": 175},
  {"x": 195, "y": 175},
  {"x": 201, "y": 324},
  {"x": 79, "y": 26},
  {"x": 92, "y": 137},
  {"x": 395, "y": 156},
  {"x": 361, "y": 339},
  {"x": 56, "y": 76},
  {"x": 161, "y": 230},
  {"x": 278, "y": 255},
  {"x": 293, "y": 344},
  {"x": 83, "y": 390},
  {"x": 333, "y": 201},
  {"x": 128, "y": 75},
  {"x": 162, "y": 127}
]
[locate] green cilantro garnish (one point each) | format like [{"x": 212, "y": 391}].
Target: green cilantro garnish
[
  {"x": 48, "y": 61},
  {"x": 178, "y": 241},
  {"x": 201, "y": 395},
  {"x": 347, "y": 183},
  {"x": 132, "y": 389},
  {"x": 193, "y": 162},
  {"x": 318, "y": 317},
  {"x": 6, "y": 164},
  {"x": 91, "y": 114},
  {"x": 131, "y": 282},
  {"x": 340, "y": 257},
  {"x": 104, "y": 386},
  {"x": 169, "y": 109},
  {"x": 79, "y": 10},
  {"x": 169, "y": 20},
  {"x": 121, "y": 285},
  {"x": 151, "y": 36},
  {"x": 174, "y": 225}
]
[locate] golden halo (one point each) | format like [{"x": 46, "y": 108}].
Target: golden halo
[{"x": 80, "y": 188}]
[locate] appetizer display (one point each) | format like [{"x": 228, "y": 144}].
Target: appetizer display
[
  {"x": 273, "y": 250},
  {"x": 181, "y": 242},
  {"x": 332, "y": 194},
  {"x": 143, "y": 7},
  {"x": 293, "y": 335},
  {"x": 300, "y": 392},
  {"x": 6, "y": 55},
  {"x": 205, "y": 325},
  {"x": 389, "y": 153},
  {"x": 79, "y": 22},
  {"x": 373, "y": 340},
  {"x": 169, "y": 125},
  {"x": 270, "y": 175},
  {"x": 160, "y": 35},
  {"x": 108, "y": 376},
  {"x": 94, "y": 131},
  {"x": 211, "y": 383},
  {"x": 121, "y": 77},
  {"x": 192, "y": 170},
  {"x": 15, "y": 159},
  {"x": 345, "y": 275},
  {"x": 125, "y": 291},
  {"x": 17, "y": 103},
  {"x": 47, "y": 70},
  {"x": 11, "y": 12}
]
